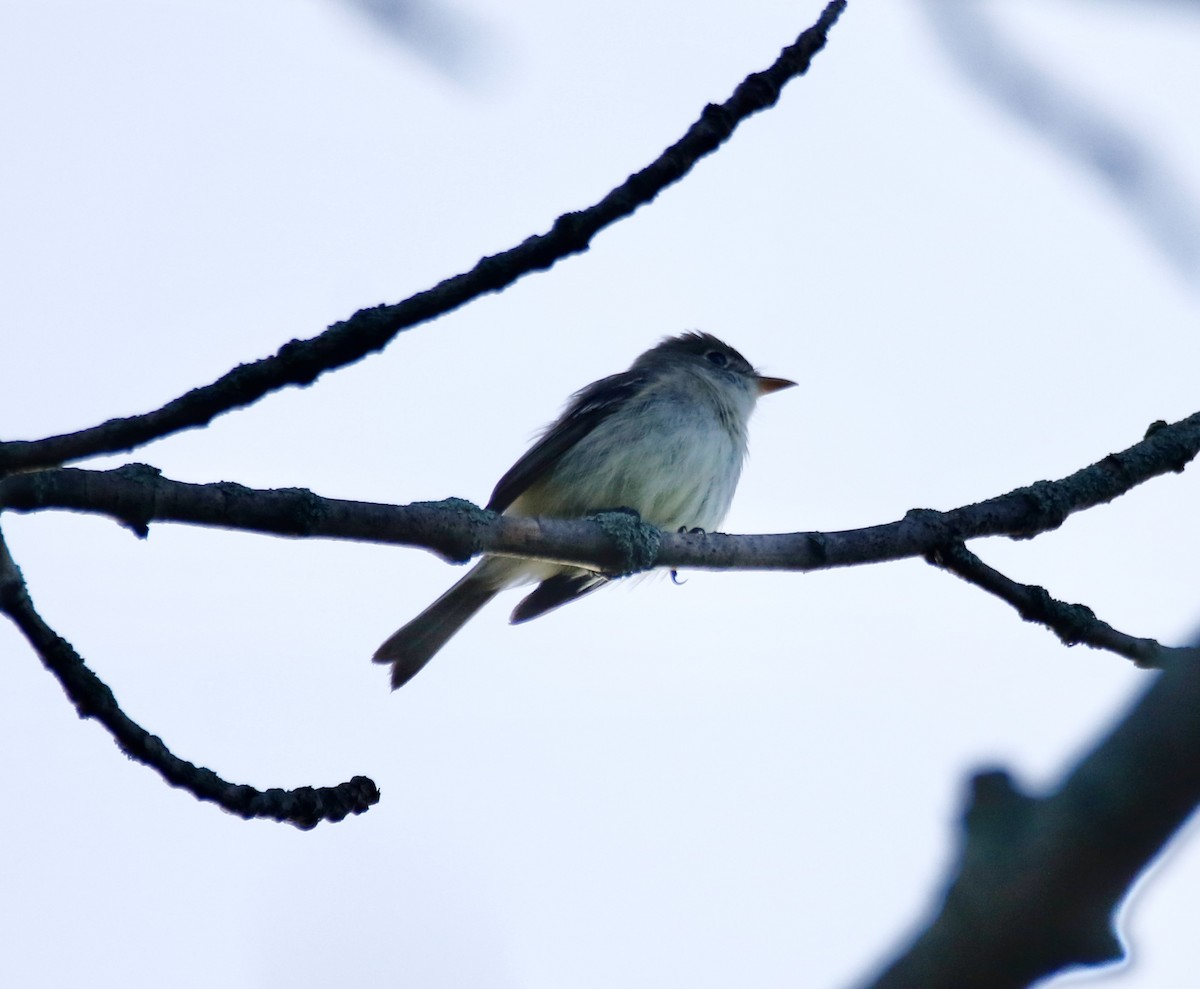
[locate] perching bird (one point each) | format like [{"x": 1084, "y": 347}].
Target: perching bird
[{"x": 666, "y": 438}]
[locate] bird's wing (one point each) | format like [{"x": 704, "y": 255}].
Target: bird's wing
[
  {"x": 555, "y": 591},
  {"x": 588, "y": 408}
]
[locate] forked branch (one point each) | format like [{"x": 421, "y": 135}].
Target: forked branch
[{"x": 137, "y": 496}]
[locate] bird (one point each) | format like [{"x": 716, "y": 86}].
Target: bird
[{"x": 666, "y": 439}]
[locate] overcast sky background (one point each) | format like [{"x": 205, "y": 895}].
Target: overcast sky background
[{"x": 752, "y": 779}]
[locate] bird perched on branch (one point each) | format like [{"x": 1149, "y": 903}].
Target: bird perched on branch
[{"x": 666, "y": 438}]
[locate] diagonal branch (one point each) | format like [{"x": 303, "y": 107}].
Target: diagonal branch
[
  {"x": 1072, "y": 623},
  {"x": 305, "y": 807},
  {"x": 137, "y": 495},
  {"x": 1038, "y": 879},
  {"x": 301, "y": 362}
]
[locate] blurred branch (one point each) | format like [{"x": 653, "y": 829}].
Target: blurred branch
[
  {"x": 1156, "y": 198},
  {"x": 137, "y": 495},
  {"x": 301, "y": 362},
  {"x": 1072, "y": 623},
  {"x": 305, "y": 807},
  {"x": 447, "y": 39},
  {"x": 1038, "y": 878}
]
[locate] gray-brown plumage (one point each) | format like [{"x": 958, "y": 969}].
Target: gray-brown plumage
[{"x": 666, "y": 438}]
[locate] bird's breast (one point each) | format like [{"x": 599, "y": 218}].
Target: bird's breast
[{"x": 675, "y": 465}]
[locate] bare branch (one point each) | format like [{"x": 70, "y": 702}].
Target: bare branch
[
  {"x": 1038, "y": 878},
  {"x": 137, "y": 495},
  {"x": 301, "y": 362},
  {"x": 305, "y": 807},
  {"x": 1072, "y": 623}
]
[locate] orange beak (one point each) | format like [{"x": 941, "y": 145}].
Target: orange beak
[{"x": 768, "y": 385}]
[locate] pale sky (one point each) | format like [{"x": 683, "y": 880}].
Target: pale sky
[{"x": 749, "y": 780}]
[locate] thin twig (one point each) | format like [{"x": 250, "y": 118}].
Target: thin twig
[
  {"x": 301, "y": 362},
  {"x": 305, "y": 806},
  {"x": 1072, "y": 623}
]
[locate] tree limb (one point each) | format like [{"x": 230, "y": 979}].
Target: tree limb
[
  {"x": 305, "y": 806},
  {"x": 137, "y": 495},
  {"x": 1038, "y": 878},
  {"x": 301, "y": 362}
]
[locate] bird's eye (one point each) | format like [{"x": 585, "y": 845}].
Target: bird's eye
[{"x": 717, "y": 357}]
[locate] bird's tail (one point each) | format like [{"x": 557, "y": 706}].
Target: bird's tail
[{"x": 410, "y": 648}]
